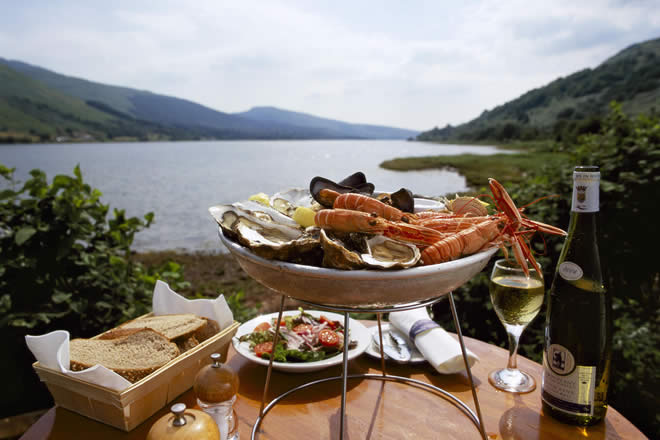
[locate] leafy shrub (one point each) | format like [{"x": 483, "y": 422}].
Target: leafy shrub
[
  {"x": 63, "y": 265},
  {"x": 628, "y": 153}
]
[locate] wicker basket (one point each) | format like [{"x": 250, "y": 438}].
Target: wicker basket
[{"x": 127, "y": 409}]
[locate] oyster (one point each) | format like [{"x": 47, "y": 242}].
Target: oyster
[
  {"x": 337, "y": 255},
  {"x": 265, "y": 236},
  {"x": 467, "y": 206},
  {"x": 386, "y": 253},
  {"x": 356, "y": 251},
  {"x": 286, "y": 202}
]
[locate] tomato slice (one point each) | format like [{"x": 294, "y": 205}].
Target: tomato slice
[
  {"x": 303, "y": 328},
  {"x": 262, "y": 327},
  {"x": 332, "y": 324},
  {"x": 264, "y": 347},
  {"x": 329, "y": 338}
]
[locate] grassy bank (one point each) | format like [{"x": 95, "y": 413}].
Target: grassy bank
[{"x": 506, "y": 168}]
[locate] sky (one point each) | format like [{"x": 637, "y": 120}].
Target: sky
[{"x": 407, "y": 64}]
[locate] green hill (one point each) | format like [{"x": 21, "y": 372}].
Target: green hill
[
  {"x": 569, "y": 106},
  {"x": 28, "y": 106},
  {"x": 31, "y": 111},
  {"x": 123, "y": 111}
]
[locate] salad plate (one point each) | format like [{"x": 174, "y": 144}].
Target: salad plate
[{"x": 357, "y": 332}]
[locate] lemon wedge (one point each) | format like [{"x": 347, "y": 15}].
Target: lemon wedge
[
  {"x": 304, "y": 216},
  {"x": 261, "y": 198}
]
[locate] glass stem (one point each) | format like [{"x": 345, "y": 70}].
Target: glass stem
[{"x": 514, "y": 337}]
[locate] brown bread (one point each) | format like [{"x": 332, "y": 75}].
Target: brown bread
[
  {"x": 175, "y": 326},
  {"x": 210, "y": 329},
  {"x": 132, "y": 356}
]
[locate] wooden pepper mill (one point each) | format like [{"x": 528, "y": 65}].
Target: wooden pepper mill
[{"x": 184, "y": 424}]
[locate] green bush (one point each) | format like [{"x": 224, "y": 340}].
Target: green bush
[
  {"x": 628, "y": 153},
  {"x": 63, "y": 265}
]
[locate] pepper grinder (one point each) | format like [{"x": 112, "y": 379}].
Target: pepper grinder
[
  {"x": 216, "y": 386},
  {"x": 184, "y": 424}
]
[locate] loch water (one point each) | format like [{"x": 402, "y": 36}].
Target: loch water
[{"x": 179, "y": 181}]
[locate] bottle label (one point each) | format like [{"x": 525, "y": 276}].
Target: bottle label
[
  {"x": 566, "y": 386},
  {"x": 585, "y": 191},
  {"x": 570, "y": 271}
]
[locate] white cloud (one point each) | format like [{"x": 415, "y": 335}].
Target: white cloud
[{"x": 413, "y": 65}]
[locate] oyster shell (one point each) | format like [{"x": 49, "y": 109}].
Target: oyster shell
[
  {"x": 356, "y": 251},
  {"x": 286, "y": 202},
  {"x": 386, "y": 253},
  {"x": 265, "y": 236},
  {"x": 337, "y": 255}
]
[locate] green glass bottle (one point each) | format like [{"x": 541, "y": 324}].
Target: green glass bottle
[{"x": 578, "y": 330}]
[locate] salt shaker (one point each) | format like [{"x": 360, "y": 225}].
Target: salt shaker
[{"x": 216, "y": 386}]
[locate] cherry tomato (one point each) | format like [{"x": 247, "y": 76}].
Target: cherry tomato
[
  {"x": 264, "y": 347},
  {"x": 328, "y": 338},
  {"x": 331, "y": 323},
  {"x": 302, "y": 328},
  {"x": 262, "y": 327}
]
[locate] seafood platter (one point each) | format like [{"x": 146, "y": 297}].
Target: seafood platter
[{"x": 346, "y": 244}]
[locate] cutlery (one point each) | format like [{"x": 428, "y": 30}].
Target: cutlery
[{"x": 394, "y": 346}]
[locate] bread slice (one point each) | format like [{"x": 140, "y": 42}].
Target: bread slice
[
  {"x": 132, "y": 356},
  {"x": 178, "y": 326},
  {"x": 210, "y": 329},
  {"x": 186, "y": 344}
]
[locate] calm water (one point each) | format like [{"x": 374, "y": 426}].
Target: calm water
[{"x": 178, "y": 181}]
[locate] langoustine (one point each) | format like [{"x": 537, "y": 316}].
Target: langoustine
[{"x": 451, "y": 237}]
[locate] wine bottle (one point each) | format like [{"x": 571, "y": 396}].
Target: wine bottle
[{"x": 578, "y": 330}]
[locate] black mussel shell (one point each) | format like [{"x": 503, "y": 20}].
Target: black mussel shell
[
  {"x": 354, "y": 183},
  {"x": 354, "y": 180},
  {"x": 403, "y": 199},
  {"x": 358, "y": 181}
]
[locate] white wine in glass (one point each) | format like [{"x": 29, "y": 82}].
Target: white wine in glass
[{"x": 517, "y": 300}]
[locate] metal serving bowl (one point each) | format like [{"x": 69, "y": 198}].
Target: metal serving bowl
[{"x": 364, "y": 289}]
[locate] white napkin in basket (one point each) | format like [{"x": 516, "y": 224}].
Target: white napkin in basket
[
  {"x": 437, "y": 346},
  {"x": 52, "y": 349}
]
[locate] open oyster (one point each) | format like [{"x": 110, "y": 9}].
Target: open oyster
[
  {"x": 358, "y": 251},
  {"x": 287, "y": 201},
  {"x": 266, "y": 234}
]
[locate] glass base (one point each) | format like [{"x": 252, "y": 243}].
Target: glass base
[{"x": 512, "y": 380}]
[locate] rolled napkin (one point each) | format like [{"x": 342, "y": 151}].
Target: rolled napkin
[
  {"x": 437, "y": 346},
  {"x": 52, "y": 349}
]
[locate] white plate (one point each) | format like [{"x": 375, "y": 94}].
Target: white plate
[
  {"x": 357, "y": 332},
  {"x": 373, "y": 351}
]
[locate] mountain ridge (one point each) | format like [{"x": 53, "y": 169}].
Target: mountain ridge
[
  {"x": 570, "y": 105},
  {"x": 155, "y": 116}
]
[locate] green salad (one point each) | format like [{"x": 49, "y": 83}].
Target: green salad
[{"x": 303, "y": 338}]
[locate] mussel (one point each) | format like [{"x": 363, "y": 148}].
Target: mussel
[
  {"x": 356, "y": 183},
  {"x": 402, "y": 199}
]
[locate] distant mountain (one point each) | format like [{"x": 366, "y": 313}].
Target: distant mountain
[
  {"x": 120, "y": 112},
  {"x": 332, "y": 127},
  {"x": 569, "y": 106}
]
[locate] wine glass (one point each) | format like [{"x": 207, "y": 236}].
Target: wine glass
[{"x": 517, "y": 300}]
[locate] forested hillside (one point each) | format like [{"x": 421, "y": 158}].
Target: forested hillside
[
  {"x": 37, "y": 104},
  {"x": 570, "y": 106}
]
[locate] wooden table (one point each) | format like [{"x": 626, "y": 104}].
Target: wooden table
[{"x": 375, "y": 409}]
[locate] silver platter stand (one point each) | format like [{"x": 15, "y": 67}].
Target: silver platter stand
[{"x": 476, "y": 418}]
